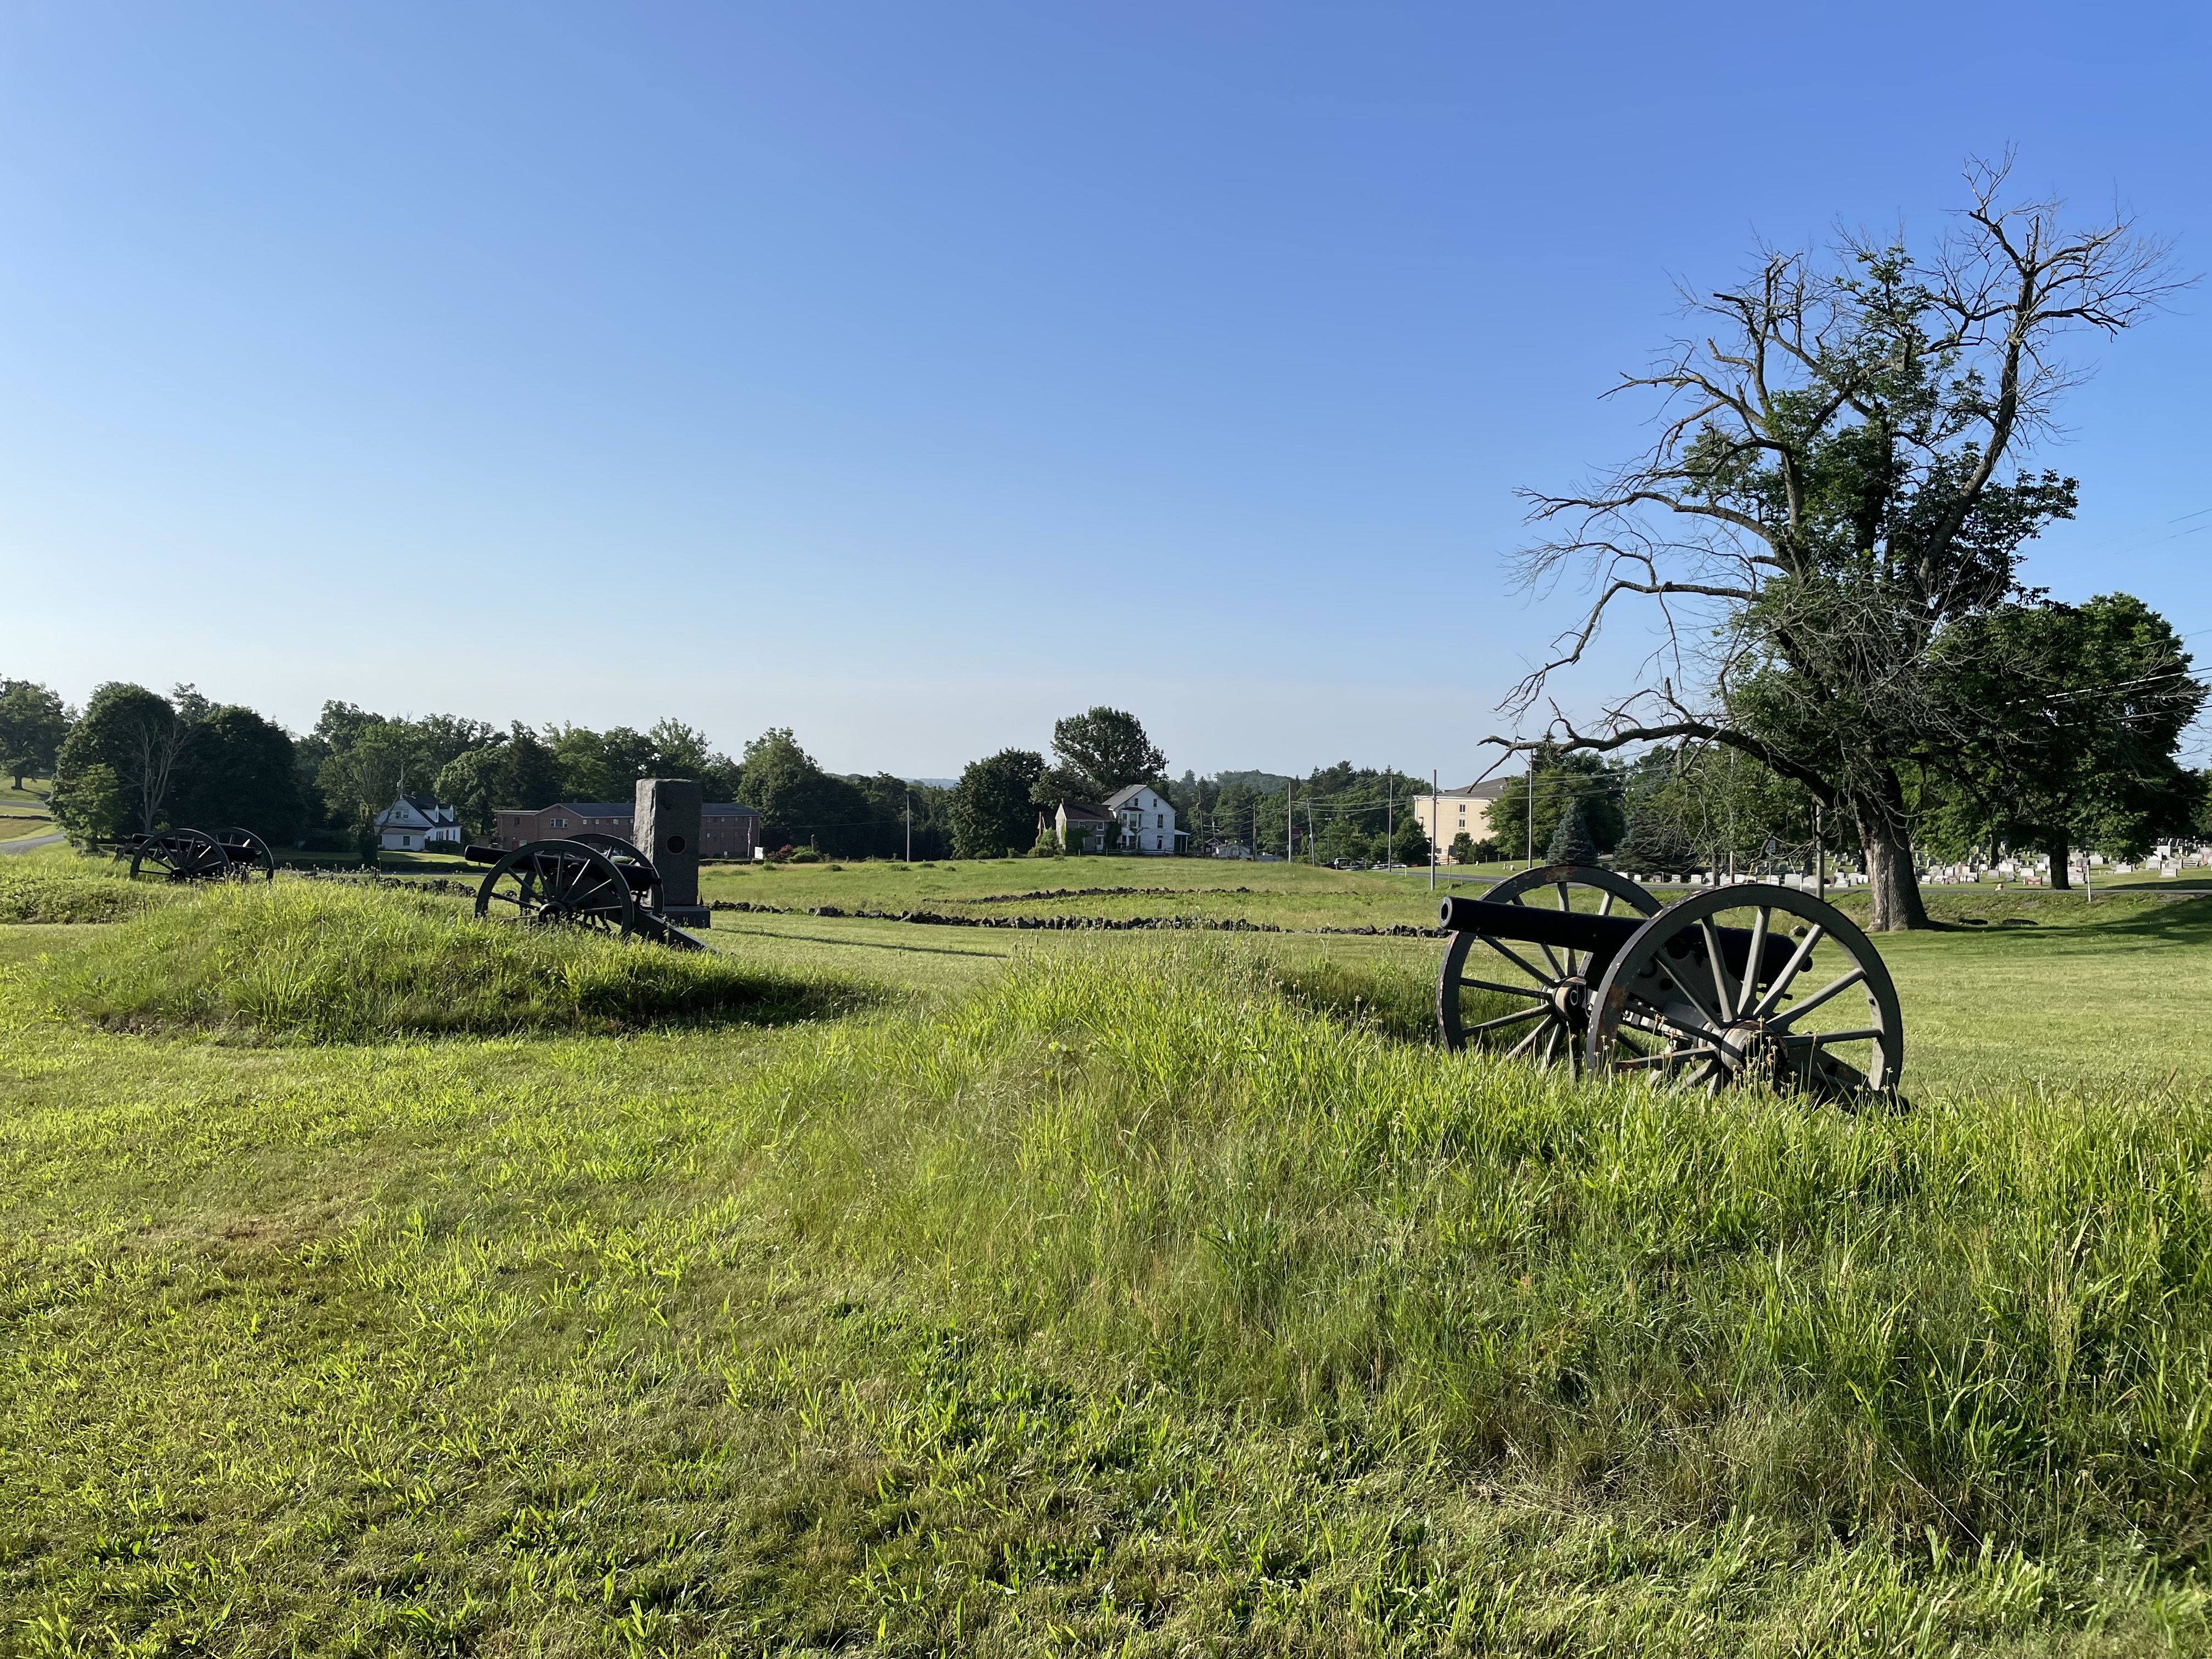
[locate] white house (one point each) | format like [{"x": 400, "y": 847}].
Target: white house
[
  {"x": 1148, "y": 823},
  {"x": 414, "y": 823}
]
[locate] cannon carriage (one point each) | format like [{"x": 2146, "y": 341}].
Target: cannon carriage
[
  {"x": 1577, "y": 966},
  {"x": 232, "y": 853},
  {"x": 601, "y": 884}
]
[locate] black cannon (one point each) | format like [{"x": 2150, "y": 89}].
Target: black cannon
[
  {"x": 599, "y": 883},
  {"x": 1732, "y": 984},
  {"x": 230, "y": 854}
]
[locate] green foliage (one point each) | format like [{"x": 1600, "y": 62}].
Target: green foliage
[
  {"x": 474, "y": 785},
  {"x": 237, "y": 768},
  {"x": 33, "y": 724},
  {"x": 1571, "y": 841},
  {"x": 992, "y": 809},
  {"x": 1464, "y": 850},
  {"x": 799, "y": 804},
  {"x": 63, "y": 888},
  {"x": 324, "y": 962},
  {"x": 2080, "y": 712},
  {"x": 1412, "y": 842},
  {"x": 1101, "y": 752},
  {"x": 87, "y": 802},
  {"x": 134, "y": 735},
  {"x": 1563, "y": 782}
]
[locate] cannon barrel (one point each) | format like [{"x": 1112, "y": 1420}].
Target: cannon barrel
[
  {"x": 1602, "y": 937},
  {"x": 476, "y": 854}
]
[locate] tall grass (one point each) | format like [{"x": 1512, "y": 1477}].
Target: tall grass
[
  {"x": 1989, "y": 1316},
  {"x": 1150, "y": 1300},
  {"x": 322, "y": 963},
  {"x": 59, "y": 886}
]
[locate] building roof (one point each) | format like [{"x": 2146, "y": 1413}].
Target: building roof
[
  {"x": 1082, "y": 811},
  {"x": 1489, "y": 789},
  {"x": 426, "y": 807},
  {"x": 1121, "y": 798},
  {"x": 727, "y": 809}
]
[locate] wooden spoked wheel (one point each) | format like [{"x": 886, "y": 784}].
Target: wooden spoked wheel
[
  {"x": 248, "y": 853},
  {"x": 1528, "y": 1000},
  {"x": 637, "y": 869},
  {"x": 178, "y": 855},
  {"x": 559, "y": 883},
  {"x": 1750, "y": 984}
]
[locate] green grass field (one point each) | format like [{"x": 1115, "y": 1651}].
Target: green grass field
[{"x": 375, "y": 1283}]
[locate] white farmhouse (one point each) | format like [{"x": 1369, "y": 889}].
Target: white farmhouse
[
  {"x": 1148, "y": 822},
  {"x": 413, "y": 823}
]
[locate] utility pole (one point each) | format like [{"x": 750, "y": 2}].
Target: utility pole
[
  {"x": 1820, "y": 856},
  {"x": 1391, "y": 820},
  {"x": 909, "y": 826},
  {"x": 1532, "y": 809},
  {"x": 1313, "y": 841},
  {"x": 1435, "y": 822},
  {"x": 1290, "y": 826}
]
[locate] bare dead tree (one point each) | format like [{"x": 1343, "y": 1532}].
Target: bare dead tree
[{"x": 1823, "y": 500}]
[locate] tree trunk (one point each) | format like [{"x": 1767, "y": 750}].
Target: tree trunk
[
  {"x": 2062, "y": 855},
  {"x": 1892, "y": 882}
]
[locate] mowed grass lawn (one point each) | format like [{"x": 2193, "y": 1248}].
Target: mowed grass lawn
[{"x": 913, "y": 1290}]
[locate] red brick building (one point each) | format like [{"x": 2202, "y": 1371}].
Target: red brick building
[{"x": 726, "y": 830}]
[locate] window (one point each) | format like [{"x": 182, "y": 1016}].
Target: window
[{"x": 1159, "y": 821}]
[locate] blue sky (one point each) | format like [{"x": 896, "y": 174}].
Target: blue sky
[{"x": 909, "y": 375}]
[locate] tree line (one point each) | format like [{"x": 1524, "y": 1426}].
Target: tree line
[{"x": 2095, "y": 767}]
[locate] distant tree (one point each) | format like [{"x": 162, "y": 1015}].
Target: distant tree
[
  {"x": 135, "y": 734},
  {"x": 799, "y": 804},
  {"x": 2082, "y": 710},
  {"x": 1463, "y": 850},
  {"x": 1411, "y": 845},
  {"x": 341, "y": 722},
  {"x": 88, "y": 803},
  {"x": 237, "y": 768},
  {"x": 1563, "y": 779},
  {"x": 529, "y": 775},
  {"x": 603, "y": 765},
  {"x": 1571, "y": 841},
  {"x": 678, "y": 750},
  {"x": 472, "y": 785},
  {"x": 359, "y": 780},
  {"x": 1107, "y": 750},
  {"x": 991, "y": 810},
  {"x": 33, "y": 724}
]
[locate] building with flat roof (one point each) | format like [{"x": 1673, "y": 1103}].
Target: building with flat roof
[{"x": 1453, "y": 812}]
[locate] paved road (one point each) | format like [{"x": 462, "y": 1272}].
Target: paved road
[{"x": 28, "y": 842}]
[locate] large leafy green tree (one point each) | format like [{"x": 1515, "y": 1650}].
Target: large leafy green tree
[
  {"x": 237, "y": 768},
  {"x": 33, "y": 724},
  {"x": 1828, "y": 495},
  {"x": 2083, "y": 711},
  {"x": 1100, "y": 752},
  {"x": 799, "y": 804},
  {"x": 137, "y": 738},
  {"x": 992, "y": 808}
]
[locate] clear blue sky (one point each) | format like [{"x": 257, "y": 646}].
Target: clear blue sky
[{"x": 908, "y": 374}]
